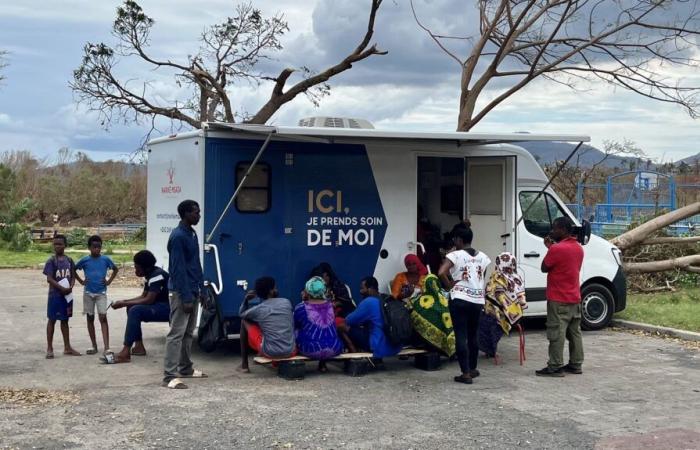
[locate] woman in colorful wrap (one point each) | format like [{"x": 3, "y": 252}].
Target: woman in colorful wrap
[
  {"x": 314, "y": 321},
  {"x": 505, "y": 302},
  {"x": 431, "y": 318},
  {"x": 408, "y": 285}
]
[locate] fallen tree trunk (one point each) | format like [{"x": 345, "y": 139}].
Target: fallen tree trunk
[
  {"x": 688, "y": 263},
  {"x": 638, "y": 235},
  {"x": 671, "y": 240}
]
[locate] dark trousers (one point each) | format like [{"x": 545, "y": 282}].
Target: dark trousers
[
  {"x": 465, "y": 321},
  {"x": 157, "y": 312}
]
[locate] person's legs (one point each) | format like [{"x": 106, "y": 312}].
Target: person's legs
[
  {"x": 89, "y": 311},
  {"x": 359, "y": 336},
  {"x": 556, "y": 334},
  {"x": 67, "y": 349},
  {"x": 50, "y": 327},
  {"x": 104, "y": 326},
  {"x": 185, "y": 364},
  {"x": 173, "y": 342},
  {"x": 459, "y": 324},
  {"x": 473, "y": 312},
  {"x": 573, "y": 334},
  {"x": 251, "y": 338}
]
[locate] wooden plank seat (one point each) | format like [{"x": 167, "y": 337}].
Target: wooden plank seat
[{"x": 342, "y": 357}]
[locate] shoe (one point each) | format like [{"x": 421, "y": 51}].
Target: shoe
[
  {"x": 572, "y": 369},
  {"x": 463, "y": 379},
  {"x": 474, "y": 373},
  {"x": 549, "y": 372}
]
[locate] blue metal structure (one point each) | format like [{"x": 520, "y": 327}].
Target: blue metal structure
[{"x": 632, "y": 196}]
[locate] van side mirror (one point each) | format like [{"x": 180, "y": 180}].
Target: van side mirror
[{"x": 583, "y": 233}]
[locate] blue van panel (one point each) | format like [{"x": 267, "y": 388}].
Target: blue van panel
[{"x": 324, "y": 207}]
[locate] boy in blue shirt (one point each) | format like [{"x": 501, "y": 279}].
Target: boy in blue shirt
[
  {"x": 59, "y": 271},
  {"x": 95, "y": 267}
]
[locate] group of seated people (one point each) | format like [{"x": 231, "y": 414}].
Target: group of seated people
[{"x": 327, "y": 322}]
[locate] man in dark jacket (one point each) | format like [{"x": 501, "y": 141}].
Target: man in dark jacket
[{"x": 186, "y": 286}]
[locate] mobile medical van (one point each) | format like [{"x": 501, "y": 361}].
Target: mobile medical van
[{"x": 342, "y": 192}]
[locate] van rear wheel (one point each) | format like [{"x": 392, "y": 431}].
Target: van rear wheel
[{"x": 597, "y": 306}]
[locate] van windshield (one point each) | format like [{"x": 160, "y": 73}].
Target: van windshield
[{"x": 538, "y": 219}]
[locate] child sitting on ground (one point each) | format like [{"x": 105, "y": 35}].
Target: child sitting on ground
[
  {"x": 95, "y": 267},
  {"x": 268, "y": 328},
  {"x": 60, "y": 274}
]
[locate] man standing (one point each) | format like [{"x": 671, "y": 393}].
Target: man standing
[
  {"x": 186, "y": 286},
  {"x": 562, "y": 264}
]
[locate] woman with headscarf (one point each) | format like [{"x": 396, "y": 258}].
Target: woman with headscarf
[
  {"x": 337, "y": 291},
  {"x": 430, "y": 316},
  {"x": 505, "y": 302},
  {"x": 314, "y": 322},
  {"x": 408, "y": 285}
]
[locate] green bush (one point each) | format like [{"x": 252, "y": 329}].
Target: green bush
[{"x": 77, "y": 237}]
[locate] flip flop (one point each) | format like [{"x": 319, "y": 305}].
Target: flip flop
[
  {"x": 49, "y": 355},
  {"x": 195, "y": 374},
  {"x": 111, "y": 358},
  {"x": 72, "y": 353},
  {"x": 92, "y": 351},
  {"x": 175, "y": 383},
  {"x": 138, "y": 353}
]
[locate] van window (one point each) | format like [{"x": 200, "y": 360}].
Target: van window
[
  {"x": 540, "y": 216},
  {"x": 255, "y": 196}
]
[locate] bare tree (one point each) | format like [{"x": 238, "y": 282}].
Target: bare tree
[
  {"x": 633, "y": 44},
  {"x": 229, "y": 54},
  {"x": 3, "y": 63}
]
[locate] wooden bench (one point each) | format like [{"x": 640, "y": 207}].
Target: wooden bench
[{"x": 355, "y": 364}]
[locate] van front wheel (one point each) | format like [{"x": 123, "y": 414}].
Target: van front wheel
[{"x": 597, "y": 306}]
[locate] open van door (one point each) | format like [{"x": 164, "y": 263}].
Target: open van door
[{"x": 490, "y": 196}]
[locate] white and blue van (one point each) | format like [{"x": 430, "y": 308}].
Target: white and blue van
[{"x": 339, "y": 191}]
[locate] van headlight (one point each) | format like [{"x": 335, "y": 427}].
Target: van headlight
[{"x": 617, "y": 254}]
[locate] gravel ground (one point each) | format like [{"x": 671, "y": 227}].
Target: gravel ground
[{"x": 637, "y": 392}]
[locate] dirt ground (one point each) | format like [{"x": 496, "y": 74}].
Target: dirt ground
[{"x": 636, "y": 392}]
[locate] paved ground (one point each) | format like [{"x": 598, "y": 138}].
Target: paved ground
[{"x": 637, "y": 392}]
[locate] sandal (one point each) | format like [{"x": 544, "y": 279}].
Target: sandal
[
  {"x": 91, "y": 351},
  {"x": 143, "y": 353},
  {"x": 195, "y": 374},
  {"x": 49, "y": 355},
  {"x": 111, "y": 358},
  {"x": 175, "y": 383}
]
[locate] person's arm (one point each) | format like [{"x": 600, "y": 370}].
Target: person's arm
[
  {"x": 550, "y": 259},
  {"x": 444, "y": 274},
  {"x": 77, "y": 277},
  {"x": 72, "y": 273},
  {"x": 178, "y": 269},
  {"x": 397, "y": 284},
  {"x": 115, "y": 271},
  {"x": 49, "y": 270},
  {"x": 359, "y": 316},
  {"x": 146, "y": 298}
]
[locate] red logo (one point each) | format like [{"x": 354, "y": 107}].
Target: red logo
[{"x": 171, "y": 188}]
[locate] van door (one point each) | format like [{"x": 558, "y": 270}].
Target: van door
[
  {"x": 535, "y": 225},
  {"x": 490, "y": 193}
]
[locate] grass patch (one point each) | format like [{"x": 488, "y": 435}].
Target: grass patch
[
  {"x": 679, "y": 309},
  {"x": 33, "y": 259}
]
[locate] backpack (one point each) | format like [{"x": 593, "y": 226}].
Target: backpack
[
  {"x": 211, "y": 328},
  {"x": 397, "y": 321}
]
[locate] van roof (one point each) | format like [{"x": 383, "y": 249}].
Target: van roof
[{"x": 364, "y": 134}]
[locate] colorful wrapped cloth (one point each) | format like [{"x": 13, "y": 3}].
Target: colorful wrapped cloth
[
  {"x": 431, "y": 318},
  {"x": 505, "y": 302}
]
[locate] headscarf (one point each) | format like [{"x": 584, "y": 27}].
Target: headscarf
[
  {"x": 316, "y": 288},
  {"x": 505, "y": 292},
  {"x": 411, "y": 258}
]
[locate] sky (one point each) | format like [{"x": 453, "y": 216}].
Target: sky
[{"x": 414, "y": 87}]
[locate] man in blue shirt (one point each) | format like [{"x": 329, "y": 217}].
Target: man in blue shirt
[
  {"x": 367, "y": 323},
  {"x": 186, "y": 286}
]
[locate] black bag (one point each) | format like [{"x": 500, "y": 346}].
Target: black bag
[
  {"x": 397, "y": 321},
  {"x": 211, "y": 328}
]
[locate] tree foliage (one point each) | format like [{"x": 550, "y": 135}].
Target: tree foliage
[
  {"x": 80, "y": 190},
  {"x": 229, "y": 54},
  {"x": 642, "y": 46}
]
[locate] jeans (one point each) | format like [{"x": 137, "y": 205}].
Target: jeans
[
  {"x": 156, "y": 312},
  {"x": 465, "y": 322},
  {"x": 564, "y": 323},
  {"x": 178, "y": 343}
]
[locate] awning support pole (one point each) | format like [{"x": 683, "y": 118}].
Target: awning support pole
[
  {"x": 239, "y": 187},
  {"x": 539, "y": 194}
]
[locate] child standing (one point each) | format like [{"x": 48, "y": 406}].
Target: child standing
[
  {"x": 95, "y": 267},
  {"x": 60, "y": 274}
]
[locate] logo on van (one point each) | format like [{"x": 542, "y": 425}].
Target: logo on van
[{"x": 171, "y": 188}]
